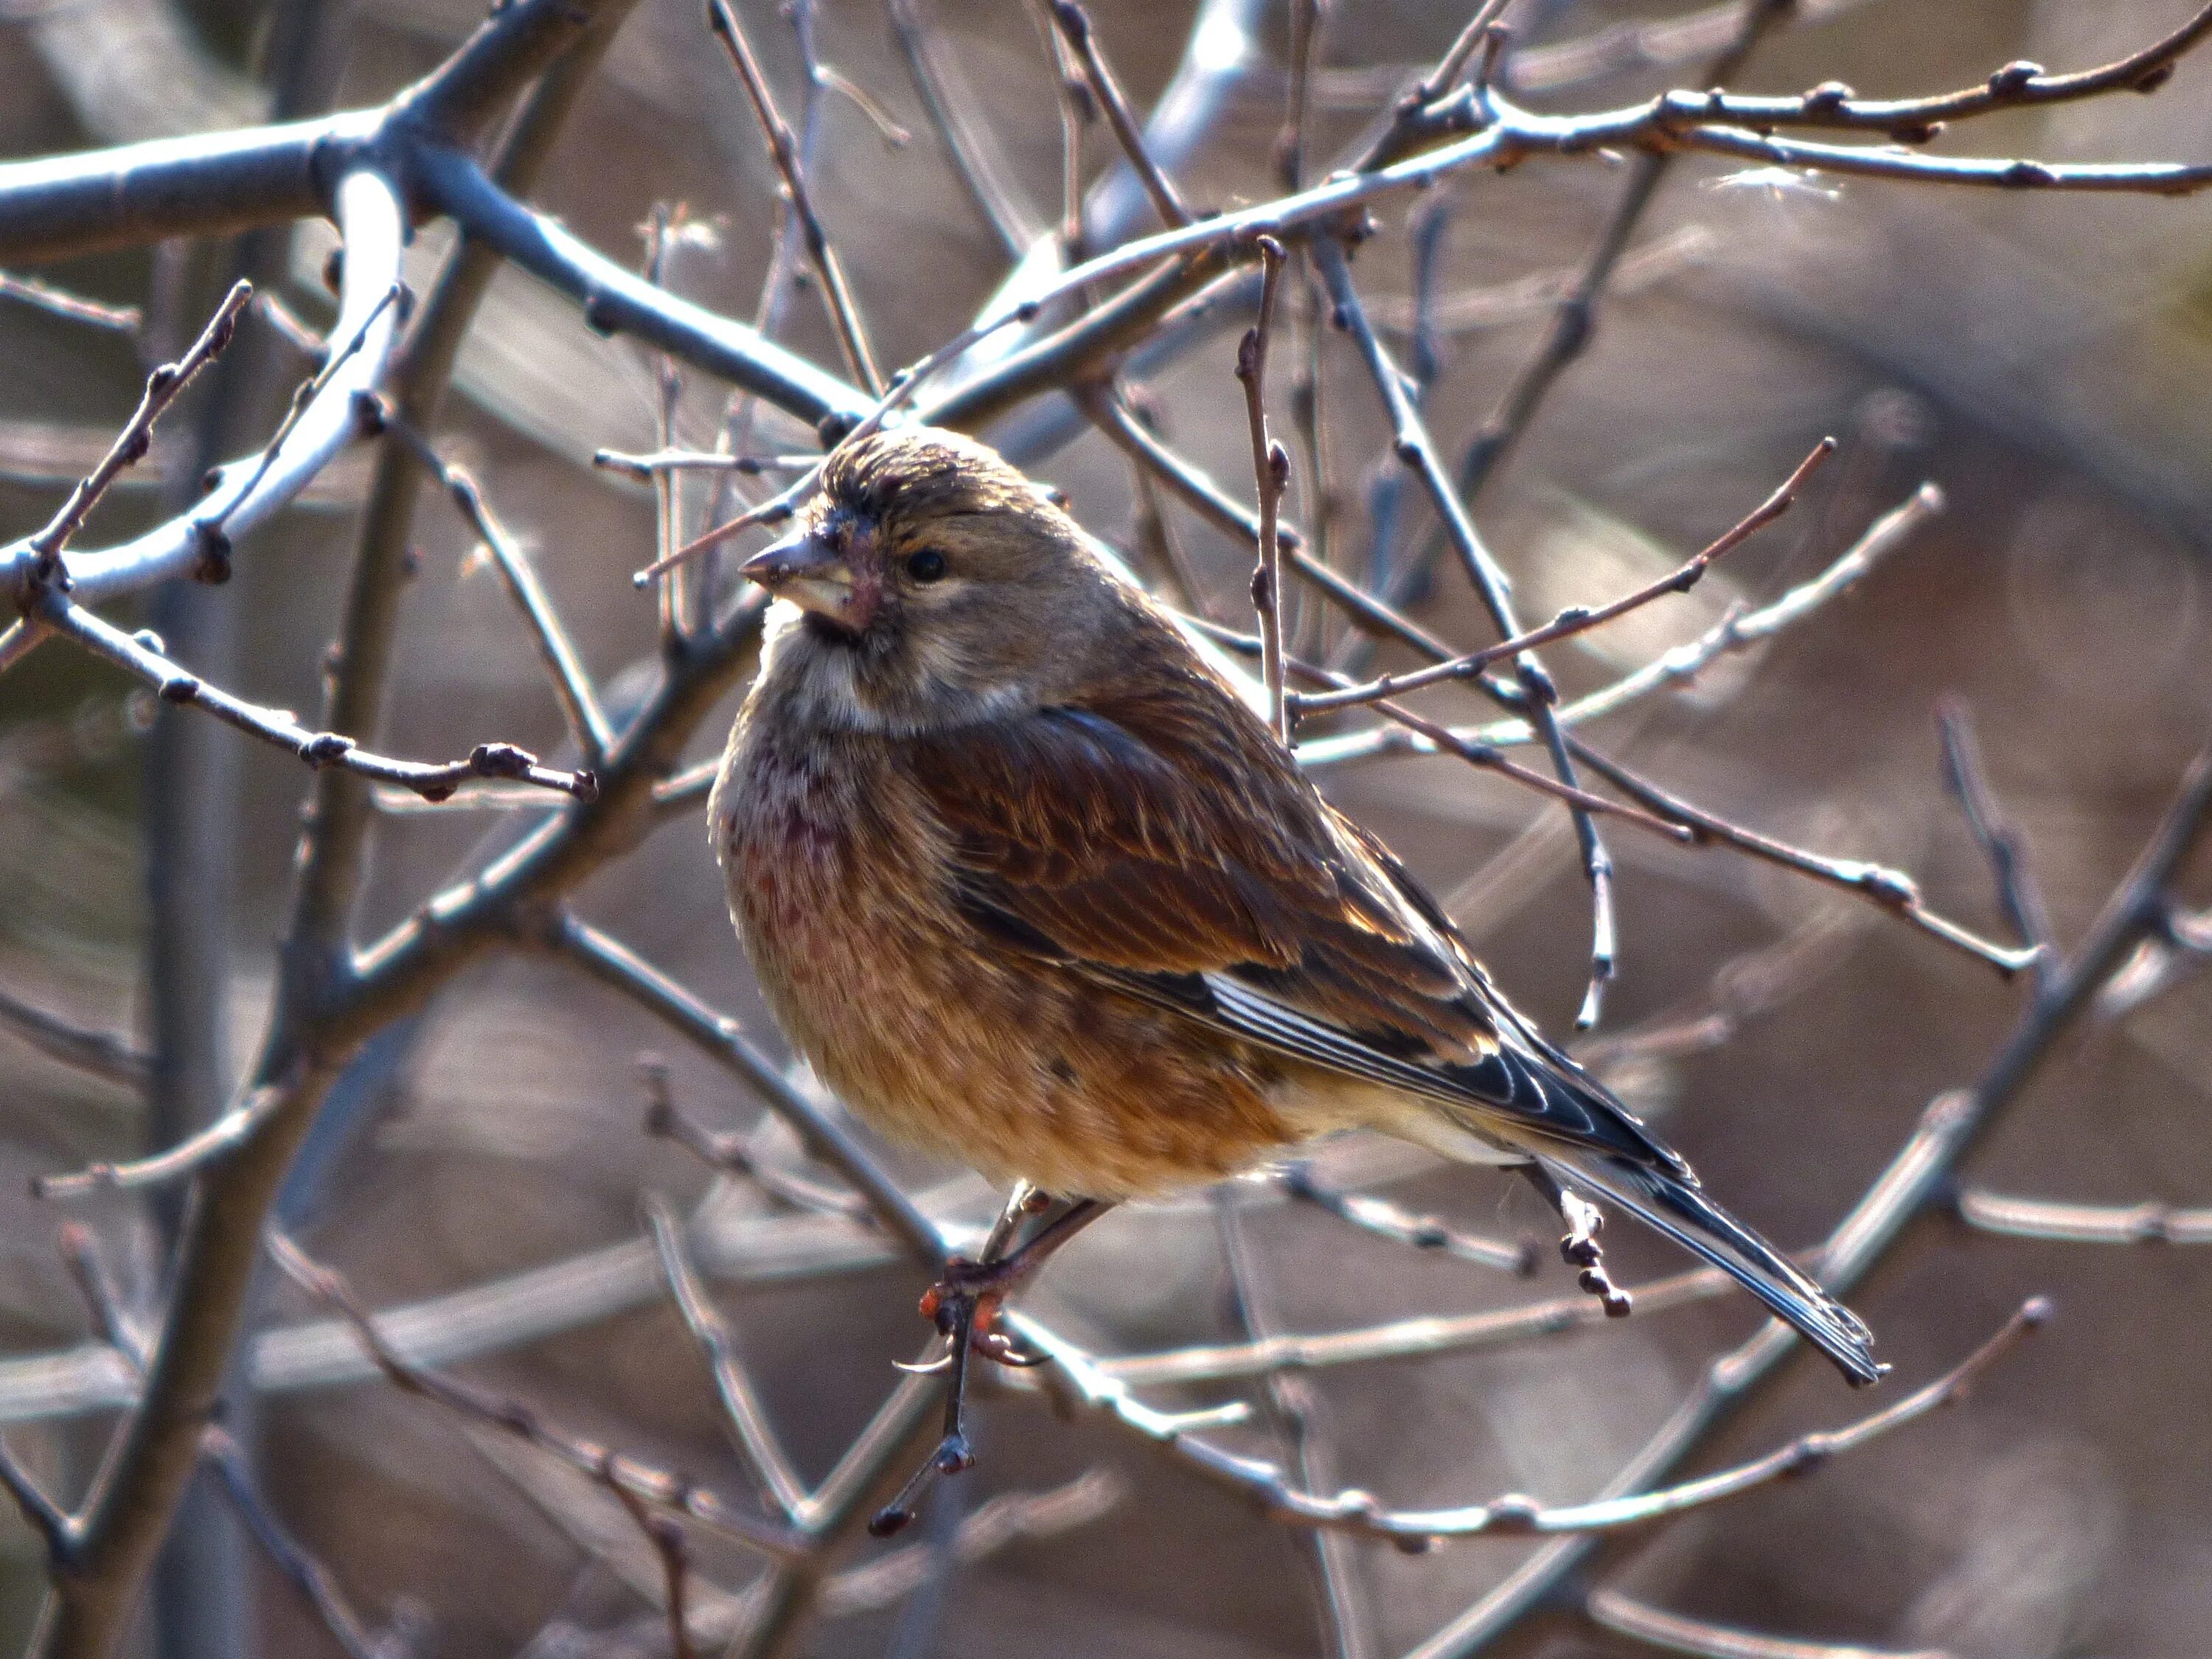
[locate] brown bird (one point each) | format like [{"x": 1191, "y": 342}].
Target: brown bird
[{"x": 1028, "y": 883}]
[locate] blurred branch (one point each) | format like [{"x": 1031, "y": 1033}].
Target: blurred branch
[
  {"x": 2082, "y": 1224},
  {"x": 72, "y": 307},
  {"x": 626, "y": 1478},
  {"x": 1413, "y": 446},
  {"x": 1082, "y": 37},
  {"x": 957, "y": 113},
  {"x": 742, "y": 1411},
  {"x": 2016, "y": 890},
  {"x": 102, "y": 1054},
  {"x": 1385, "y": 1220},
  {"x": 1574, "y": 319},
  {"x": 1612, "y": 1609},
  {"x": 571, "y": 684},
  {"x": 316, "y": 1583}
]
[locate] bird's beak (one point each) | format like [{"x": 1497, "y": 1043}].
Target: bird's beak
[{"x": 806, "y": 568}]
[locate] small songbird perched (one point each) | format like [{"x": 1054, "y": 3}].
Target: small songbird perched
[{"x": 1029, "y": 883}]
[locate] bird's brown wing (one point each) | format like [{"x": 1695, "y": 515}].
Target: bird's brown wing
[{"x": 1158, "y": 840}]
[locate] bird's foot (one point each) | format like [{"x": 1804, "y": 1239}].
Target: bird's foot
[
  {"x": 1579, "y": 1247},
  {"x": 971, "y": 1296}
]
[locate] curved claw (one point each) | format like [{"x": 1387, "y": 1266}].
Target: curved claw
[
  {"x": 1004, "y": 1350},
  {"x": 924, "y": 1367}
]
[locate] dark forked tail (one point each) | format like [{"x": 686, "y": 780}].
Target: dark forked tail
[{"x": 1680, "y": 1209}]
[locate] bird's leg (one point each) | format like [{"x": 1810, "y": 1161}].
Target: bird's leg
[
  {"x": 964, "y": 1305},
  {"x": 1579, "y": 1244},
  {"x": 972, "y": 1292}
]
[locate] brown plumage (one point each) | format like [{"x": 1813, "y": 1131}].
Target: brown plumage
[{"x": 1028, "y": 883}]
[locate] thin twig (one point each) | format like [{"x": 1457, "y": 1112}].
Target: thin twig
[
  {"x": 1578, "y": 619},
  {"x": 102, "y": 1054},
  {"x": 211, "y": 528},
  {"x": 783, "y": 151},
  {"x": 173, "y": 684},
  {"x": 1362, "y": 1514},
  {"x": 136, "y": 436},
  {"x": 1083, "y": 38},
  {"x": 1271, "y": 468},
  {"x": 2062, "y": 1223},
  {"x": 742, "y": 1411},
  {"x": 1612, "y": 1609},
  {"x": 587, "y": 724},
  {"x": 624, "y": 1477},
  {"x": 1999, "y": 842}
]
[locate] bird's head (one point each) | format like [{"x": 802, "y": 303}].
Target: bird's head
[{"x": 934, "y": 583}]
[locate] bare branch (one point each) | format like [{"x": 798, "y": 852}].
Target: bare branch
[
  {"x": 1514, "y": 1515},
  {"x": 1419, "y": 1336},
  {"x": 130, "y": 444},
  {"x": 2082, "y": 1224},
  {"x": 2000, "y": 843},
  {"x": 1892, "y": 889},
  {"x": 587, "y": 724},
  {"x": 172, "y": 683},
  {"x": 1736, "y": 631},
  {"x": 1271, "y": 467},
  {"x": 742, "y": 1411},
  {"x": 729, "y": 1151},
  {"x": 1083, "y": 38},
  {"x": 100, "y": 1053},
  {"x": 837, "y": 291},
  {"x": 187, "y": 1158},
  {"x": 249, "y": 491},
  {"x": 1613, "y": 1610},
  {"x": 1578, "y": 619},
  {"x": 624, "y": 1477}
]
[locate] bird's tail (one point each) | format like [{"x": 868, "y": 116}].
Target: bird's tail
[{"x": 1681, "y": 1210}]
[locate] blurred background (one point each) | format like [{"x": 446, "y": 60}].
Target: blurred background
[{"x": 2045, "y": 360}]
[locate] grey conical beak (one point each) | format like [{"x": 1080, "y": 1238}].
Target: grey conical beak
[{"x": 807, "y": 568}]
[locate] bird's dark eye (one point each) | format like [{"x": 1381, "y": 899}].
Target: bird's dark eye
[{"x": 926, "y": 566}]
